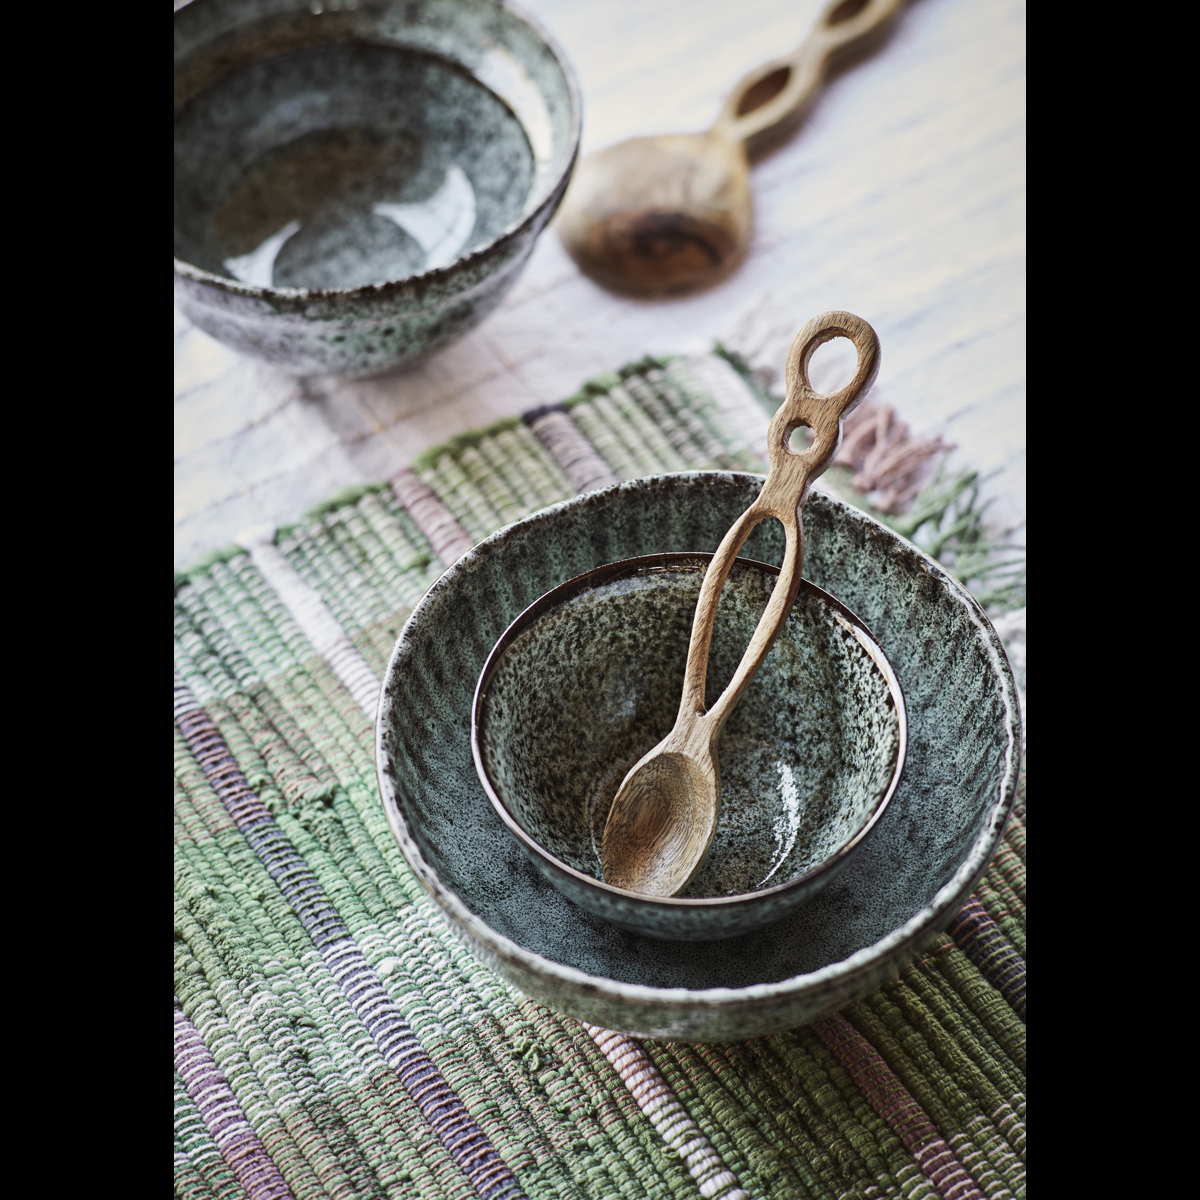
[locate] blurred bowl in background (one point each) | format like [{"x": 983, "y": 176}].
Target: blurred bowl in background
[{"x": 358, "y": 182}]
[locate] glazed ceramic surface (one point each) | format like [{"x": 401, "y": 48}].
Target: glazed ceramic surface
[
  {"x": 588, "y": 679},
  {"x": 358, "y": 184},
  {"x": 917, "y": 869}
]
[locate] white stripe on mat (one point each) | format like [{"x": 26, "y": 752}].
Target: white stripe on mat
[
  {"x": 313, "y": 616},
  {"x": 732, "y": 398},
  {"x": 668, "y": 1116}
]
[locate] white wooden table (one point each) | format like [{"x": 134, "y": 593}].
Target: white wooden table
[{"x": 901, "y": 199}]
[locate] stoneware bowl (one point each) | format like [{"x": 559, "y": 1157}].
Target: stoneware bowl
[
  {"x": 358, "y": 182},
  {"x": 588, "y": 679},
  {"x": 907, "y": 882}
]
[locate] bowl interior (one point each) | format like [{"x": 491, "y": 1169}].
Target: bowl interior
[
  {"x": 588, "y": 685},
  {"x": 937, "y": 832},
  {"x": 325, "y": 150}
]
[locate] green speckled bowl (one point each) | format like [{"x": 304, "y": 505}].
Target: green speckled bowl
[
  {"x": 915, "y": 872},
  {"x": 358, "y": 182},
  {"x": 588, "y": 679}
]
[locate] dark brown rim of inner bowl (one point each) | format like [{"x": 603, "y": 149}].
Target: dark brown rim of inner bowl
[
  {"x": 647, "y": 564},
  {"x": 551, "y": 199}
]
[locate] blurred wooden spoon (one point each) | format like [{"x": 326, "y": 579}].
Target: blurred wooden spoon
[{"x": 671, "y": 213}]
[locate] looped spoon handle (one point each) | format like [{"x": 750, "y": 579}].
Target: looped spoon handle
[
  {"x": 662, "y": 821},
  {"x": 782, "y": 89}
]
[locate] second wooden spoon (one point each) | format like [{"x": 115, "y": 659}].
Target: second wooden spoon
[
  {"x": 671, "y": 213},
  {"x": 661, "y": 824}
]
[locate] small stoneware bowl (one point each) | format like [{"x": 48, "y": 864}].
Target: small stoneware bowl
[
  {"x": 358, "y": 182},
  {"x": 588, "y": 679}
]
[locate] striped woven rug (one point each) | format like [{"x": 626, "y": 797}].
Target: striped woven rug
[{"x": 332, "y": 1036}]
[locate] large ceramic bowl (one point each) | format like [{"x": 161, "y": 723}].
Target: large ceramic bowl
[
  {"x": 588, "y": 679},
  {"x": 920, "y": 865},
  {"x": 358, "y": 182}
]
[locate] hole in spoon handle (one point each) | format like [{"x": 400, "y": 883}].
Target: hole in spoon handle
[
  {"x": 784, "y": 87},
  {"x": 778, "y": 608},
  {"x": 823, "y": 414},
  {"x": 692, "y": 701}
]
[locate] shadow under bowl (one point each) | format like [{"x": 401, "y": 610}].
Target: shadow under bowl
[
  {"x": 359, "y": 183},
  {"x": 921, "y": 862},
  {"x": 588, "y": 679}
]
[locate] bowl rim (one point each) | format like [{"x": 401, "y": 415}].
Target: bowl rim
[
  {"x": 644, "y": 564},
  {"x": 842, "y": 978},
  {"x": 553, "y": 191}
]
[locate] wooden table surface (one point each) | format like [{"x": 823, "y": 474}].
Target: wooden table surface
[{"x": 901, "y": 199}]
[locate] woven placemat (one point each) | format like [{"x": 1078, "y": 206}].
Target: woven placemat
[{"x": 332, "y": 1035}]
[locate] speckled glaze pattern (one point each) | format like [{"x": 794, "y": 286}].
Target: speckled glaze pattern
[
  {"x": 328, "y": 124},
  {"x": 574, "y": 695},
  {"x": 924, "y": 857}
]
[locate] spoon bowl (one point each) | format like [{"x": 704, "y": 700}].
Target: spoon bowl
[
  {"x": 673, "y": 804},
  {"x": 655, "y": 215}
]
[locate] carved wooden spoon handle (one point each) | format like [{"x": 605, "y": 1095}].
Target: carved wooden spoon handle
[
  {"x": 798, "y": 76},
  {"x": 782, "y": 496}
]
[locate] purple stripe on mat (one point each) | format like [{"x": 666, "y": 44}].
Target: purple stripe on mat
[
  {"x": 447, "y": 537},
  {"x": 468, "y": 1145},
  {"x": 223, "y": 1117},
  {"x": 570, "y": 448},
  {"x": 885, "y": 1093},
  {"x": 980, "y": 939}
]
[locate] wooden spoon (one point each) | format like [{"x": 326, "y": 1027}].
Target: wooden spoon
[
  {"x": 661, "y": 824},
  {"x": 672, "y": 213}
]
